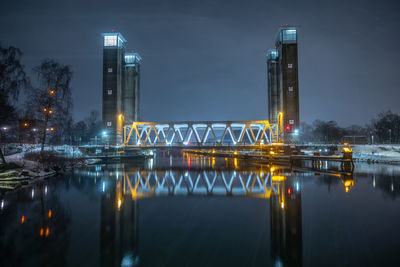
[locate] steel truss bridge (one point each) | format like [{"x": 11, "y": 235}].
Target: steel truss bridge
[
  {"x": 201, "y": 134},
  {"x": 141, "y": 183}
]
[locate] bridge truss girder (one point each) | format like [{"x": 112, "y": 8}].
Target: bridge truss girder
[{"x": 228, "y": 133}]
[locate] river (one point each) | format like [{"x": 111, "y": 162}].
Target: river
[{"x": 188, "y": 210}]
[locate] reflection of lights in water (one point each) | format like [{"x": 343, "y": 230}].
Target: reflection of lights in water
[
  {"x": 373, "y": 182},
  {"x": 103, "y": 186},
  {"x": 129, "y": 260},
  {"x": 22, "y": 219},
  {"x": 297, "y": 186},
  {"x": 49, "y": 214},
  {"x": 392, "y": 187},
  {"x": 186, "y": 174},
  {"x": 278, "y": 263},
  {"x": 119, "y": 203},
  {"x": 170, "y": 160},
  {"x": 33, "y": 193},
  {"x": 2, "y": 204},
  {"x": 282, "y": 205},
  {"x": 235, "y": 162},
  {"x": 45, "y": 190},
  {"x": 151, "y": 163}
]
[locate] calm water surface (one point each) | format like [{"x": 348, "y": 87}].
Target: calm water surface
[{"x": 187, "y": 210}]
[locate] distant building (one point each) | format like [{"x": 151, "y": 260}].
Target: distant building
[
  {"x": 283, "y": 81},
  {"x": 121, "y": 86}
]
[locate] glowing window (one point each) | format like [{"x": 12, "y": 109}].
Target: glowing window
[
  {"x": 290, "y": 88},
  {"x": 291, "y": 121},
  {"x": 109, "y": 92},
  {"x": 110, "y": 40},
  {"x": 290, "y": 66},
  {"x": 109, "y": 70},
  {"x": 289, "y": 35},
  {"x": 109, "y": 123}
]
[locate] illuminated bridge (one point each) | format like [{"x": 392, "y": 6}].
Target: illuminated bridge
[{"x": 201, "y": 134}]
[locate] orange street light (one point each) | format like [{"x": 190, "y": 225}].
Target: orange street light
[
  {"x": 51, "y": 92},
  {"x": 26, "y": 124},
  {"x": 51, "y": 129}
]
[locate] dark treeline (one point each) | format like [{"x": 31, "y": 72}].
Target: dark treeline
[
  {"x": 45, "y": 114},
  {"x": 385, "y": 129}
]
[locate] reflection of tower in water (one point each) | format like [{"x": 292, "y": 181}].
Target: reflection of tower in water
[
  {"x": 119, "y": 225},
  {"x": 286, "y": 225}
]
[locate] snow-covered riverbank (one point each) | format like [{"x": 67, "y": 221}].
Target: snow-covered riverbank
[
  {"x": 24, "y": 169},
  {"x": 377, "y": 153}
]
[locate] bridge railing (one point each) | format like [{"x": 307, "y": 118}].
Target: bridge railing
[{"x": 227, "y": 133}]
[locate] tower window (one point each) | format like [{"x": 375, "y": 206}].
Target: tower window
[
  {"x": 109, "y": 92},
  {"x": 110, "y": 40},
  {"x": 109, "y": 123},
  {"x": 290, "y": 66},
  {"x": 291, "y": 121},
  {"x": 290, "y": 88},
  {"x": 109, "y": 70}
]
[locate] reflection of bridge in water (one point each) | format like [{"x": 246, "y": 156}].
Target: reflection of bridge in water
[
  {"x": 123, "y": 190},
  {"x": 124, "y": 187},
  {"x": 211, "y": 183}
]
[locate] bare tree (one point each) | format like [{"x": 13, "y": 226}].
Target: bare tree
[
  {"x": 12, "y": 80},
  {"x": 51, "y": 101},
  {"x": 93, "y": 124}
]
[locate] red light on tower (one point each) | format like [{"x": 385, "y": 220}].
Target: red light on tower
[
  {"x": 288, "y": 127},
  {"x": 289, "y": 191}
]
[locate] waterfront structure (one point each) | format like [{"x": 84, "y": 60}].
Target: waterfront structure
[
  {"x": 274, "y": 93},
  {"x": 121, "y": 87},
  {"x": 201, "y": 133},
  {"x": 283, "y": 81},
  {"x": 131, "y": 93}
]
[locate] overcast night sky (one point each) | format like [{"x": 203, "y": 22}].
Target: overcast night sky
[{"x": 205, "y": 60}]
